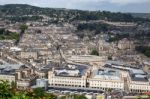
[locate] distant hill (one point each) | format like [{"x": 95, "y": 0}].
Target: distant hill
[
  {"x": 141, "y": 15},
  {"x": 23, "y": 12},
  {"x": 66, "y": 14}
]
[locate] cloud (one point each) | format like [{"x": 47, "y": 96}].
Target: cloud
[
  {"x": 128, "y": 1},
  {"x": 122, "y": 2},
  {"x": 74, "y": 1}
]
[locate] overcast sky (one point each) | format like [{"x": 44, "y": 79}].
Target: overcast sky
[{"x": 109, "y": 5}]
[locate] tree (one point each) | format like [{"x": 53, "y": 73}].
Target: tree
[
  {"x": 73, "y": 97},
  {"x": 13, "y": 87},
  {"x": 143, "y": 49},
  {"x": 20, "y": 95},
  {"x": 63, "y": 97},
  {"x": 94, "y": 52},
  {"x": 148, "y": 97},
  {"x": 10, "y": 92},
  {"x": 79, "y": 97},
  {"x": 49, "y": 96},
  {"x": 23, "y": 28},
  {"x": 109, "y": 57},
  {"x": 38, "y": 93},
  {"x": 139, "y": 97},
  {"x": 147, "y": 53},
  {"x": 4, "y": 90},
  {"x": 110, "y": 90}
]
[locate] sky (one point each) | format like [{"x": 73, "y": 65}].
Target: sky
[{"x": 141, "y": 6}]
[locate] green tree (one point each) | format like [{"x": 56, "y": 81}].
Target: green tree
[
  {"x": 4, "y": 90},
  {"x": 143, "y": 49},
  {"x": 147, "y": 53},
  {"x": 13, "y": 87},
  {"x": 73, "y": 97},
  {"x": 148, "y": 97},
  {"x": 139, "y": 97},
  {"x": 94, "y": 52},
  {"x": 109, "y": 57},
  {"x": 20, "y": 95},
  {"x": 49, "y": 96},
  {"x": 10, "y": 92},
  {"x": 23, "y": 28},
  {"x": 63, "y": 97},
  {"x": 110, "y": 90},
  {"x": 79, "y": 97},
  {"x": 38, "y": 93}
]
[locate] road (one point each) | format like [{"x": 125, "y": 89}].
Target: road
[{"x": 80, "y": 89}]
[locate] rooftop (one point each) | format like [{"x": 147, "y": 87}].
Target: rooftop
[
  {"x": 9, "y": 69},
  {"x": 138, "y": 75},
  {"x": 107, "y": 74},
  {"x": 71, "y": 71},
  {"x": 120, "y": 66},
  {"x": 87, "y": 58}
]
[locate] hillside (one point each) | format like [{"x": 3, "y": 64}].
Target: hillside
[
  {"x": 15, "y": 11},
  {"x": 142, "y": 15}
]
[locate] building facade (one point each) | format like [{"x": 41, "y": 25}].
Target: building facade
[{"x": 106, "y": 79}]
